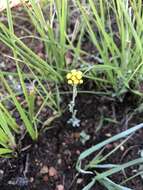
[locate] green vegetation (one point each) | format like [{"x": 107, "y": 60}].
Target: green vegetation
[
  {"x": 114, "y": 28},
  {"x": 118, "y": 39}
]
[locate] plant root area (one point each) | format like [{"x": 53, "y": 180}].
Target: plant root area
[{"x": 50, "y": 163}]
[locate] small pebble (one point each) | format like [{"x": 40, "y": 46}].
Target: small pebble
[
  {"x": 78, "y": 152},
  {"x": 1, "y": 174},
  {"x": 52, "y": 172},
  {"x": 122, "y": 148},
  {"x": 45, "y": 178},
  {"x": 31, "y": 180},
  {"x": 79, "y": 180},
  {"x": 108, "y": 135},
  {"x": 109, "y": 146},
  {"x": 60, "y": 187},
  {"x": 44, "y": 170},
  {"x": 59, "y": 161}
]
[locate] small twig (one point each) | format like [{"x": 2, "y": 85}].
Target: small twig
[
  {"x": 126, "y": 152},
  {"x": 73, "y": 181},
  {"x": 26, "y": 166},
  {"x": 26, "y": 148}
]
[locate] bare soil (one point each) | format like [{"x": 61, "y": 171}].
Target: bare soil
[{"x": 49, "y": 164}]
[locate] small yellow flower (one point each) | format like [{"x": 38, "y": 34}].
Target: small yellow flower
[
  {"x": 79, "y": 75},
  {"x": 74, "y": 77},
  {"x": 69, "y": 81},
  {"x": 69, "y": 75},
  {"x": 73, "y": 71}
]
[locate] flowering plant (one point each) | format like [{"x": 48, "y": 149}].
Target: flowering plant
[{"x": 74, "y": 78}]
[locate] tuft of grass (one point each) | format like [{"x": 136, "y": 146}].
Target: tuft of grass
[
  {"x": 118, "y": 41},
  {"x": 98, "y": 161},
  {"x": 7, "y": 128},
  {"x": 39, "y": 70}
]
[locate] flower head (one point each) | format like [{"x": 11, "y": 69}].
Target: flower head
[{"x": 74, "y": 77}]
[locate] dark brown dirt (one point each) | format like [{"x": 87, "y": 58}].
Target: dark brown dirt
[{"x": 59, "y": 147}]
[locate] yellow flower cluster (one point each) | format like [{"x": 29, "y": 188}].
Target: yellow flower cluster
[{"x": 74, "y": 77}]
